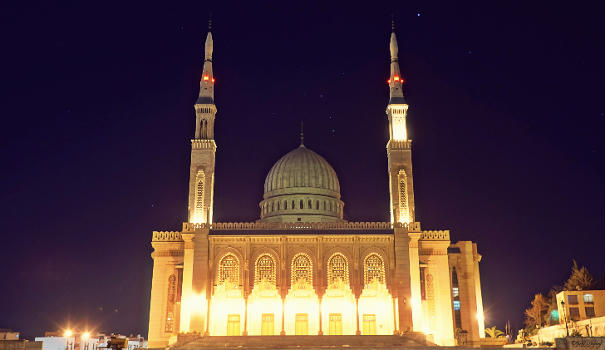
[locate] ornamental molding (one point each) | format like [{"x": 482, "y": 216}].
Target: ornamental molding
[
  {"x": 203, "y": 144},
  {"x": 270, "y": 226},
  {"x": 166, "y": 236},
  {"x": 399, "y": 145},
  {"x": 437, "y": 235}
]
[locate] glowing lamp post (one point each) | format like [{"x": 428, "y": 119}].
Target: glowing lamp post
[
  {"x": 67, "y": 334},
  {"x": 565, "y": 317},
  {"x": 84, "y": 339}
]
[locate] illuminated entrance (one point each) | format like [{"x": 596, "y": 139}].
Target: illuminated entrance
[
  {"x": 233, "y": 325},
  {"x": 268, "y": 324},
  {"x": 369, "y": 324},
  {"x": 335, "y": 324},
  {"x": 301, "y": 324}
]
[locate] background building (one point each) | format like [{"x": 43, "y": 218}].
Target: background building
[{"x": 301, "y": 269}]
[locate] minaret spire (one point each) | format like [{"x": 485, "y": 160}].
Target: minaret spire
[
  {"x": 302, "y": 134},
  {"x": 204, "y": 106},
  {"x": 395, "y": 80},
  {"x": 399, "y": 146},
  {"x": 203, "y": 147}
]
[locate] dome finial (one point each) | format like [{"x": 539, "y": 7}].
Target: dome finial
[{"x": 302, "y": 134}]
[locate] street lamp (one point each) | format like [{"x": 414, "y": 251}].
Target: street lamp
[
  {"x": 84, "y": 339},
  {"x": 67, "y": 334},
  {"x": 565, "y": 317}
]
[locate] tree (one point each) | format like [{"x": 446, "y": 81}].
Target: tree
[
  {"x": 494, "y": 333},
  {"x": 536, "y": 314},
  {"x": 580, "y": 278}
]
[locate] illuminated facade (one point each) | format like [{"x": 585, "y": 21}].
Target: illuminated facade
[{"x": 301, "y": 269}]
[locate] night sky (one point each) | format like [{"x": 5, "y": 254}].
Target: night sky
[{"x": 506, "y": 114}]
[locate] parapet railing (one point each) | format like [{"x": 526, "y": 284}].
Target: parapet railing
[
  {"x": 166, "y": 236},
  {"x": 438, "y": 235},
  {"x": 188, "y": 226}
]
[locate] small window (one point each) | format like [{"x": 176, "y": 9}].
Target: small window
[
  {"x": 588, "y": 298},
  {"x": 309, "y": 204},
  {"x": 572, "y": 299},
  {"x": 317, "y": 205},
  {"x": 574, "y": 313},
  {"x": 589, "y": 311},
  {"x": 455, "y": 292},
  {"x": 302, "y": 205},
  {"x": 456, "y": 305},
  {"x": 324, "y": 205},
  {"x": 293, "y": 206}
]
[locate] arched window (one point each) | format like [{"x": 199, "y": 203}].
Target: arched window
[
  {"x": 404, "y": 214},
  {"x": 170, "y": 304},
  {"x": 228, "y": 269},
  {"x": 338, "y": 268},
  {"x": 309, "y": 205},
  {"x": 317, "y": 205},
  {"x": 264, "y": 269},
  {"x": 373, "y": 269},
  {"x": 200, "y": 179},
  {"x": 293, "y": 206},
  {"x": 272, "y": 206},
  {"x": 301, "y": 269},
  {"x": 302, "y": 205},
  {"x": 278, "y": 205},
  {"x": 285, "y": 205},
  {"x": 330, "y": 206},
  {"x": 324, "y": 205}
]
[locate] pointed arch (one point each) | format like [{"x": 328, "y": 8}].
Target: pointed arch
[
  {"x": 301, "y": 269},
  {"x": 373, "y": 269},
  {"x": 200, "y": 180},
  {"x": 402, "y": 183},
  {"x": 265, "y": 269},
  {"x": 338, "y": 268},
  {"x": 228, "y": 269},
  {"x": 170, "y": 322}
]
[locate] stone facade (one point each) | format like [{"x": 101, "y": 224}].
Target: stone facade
[{"x": 303, "y": 270}]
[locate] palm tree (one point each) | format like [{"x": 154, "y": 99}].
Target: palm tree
[{"x": 494, "y": 333}]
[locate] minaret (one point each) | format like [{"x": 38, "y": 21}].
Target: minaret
[
  {"x": 203, "y": 147},
  {"x": 399, "y": 148}
]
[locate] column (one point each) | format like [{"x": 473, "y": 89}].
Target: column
[
  {"x": 416, "y": 301},
  {"x": 187, "y": 291}
]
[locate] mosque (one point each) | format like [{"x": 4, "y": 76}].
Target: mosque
[{"x": 301, "y": 269}]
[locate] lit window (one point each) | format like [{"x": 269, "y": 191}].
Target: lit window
[
  {"x": 301, "y": 269},
  {"x": 588, "y": 298},
  {"x": 373, "y": 269},
  {"x": 456, "y": 305},
  {"x": 199, "y": 194},
  {"x": 572, "y": 299},
  {"x": 338, "y": 269},
  {"x": 228, "y": 269},
  {"x": 455, "y": 292},
  {"x": 265, "y": 269},
  {"x": 404, "y": 215}
]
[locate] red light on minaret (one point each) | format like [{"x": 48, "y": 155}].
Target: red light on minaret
[
  {"x": 206, "y": 78},
  {"x": 213, "y": 80},
  {"x": 389, "y": 81},
  {"x": 396, "y": 78}
]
